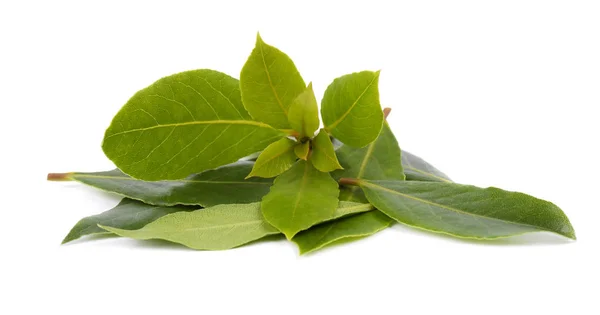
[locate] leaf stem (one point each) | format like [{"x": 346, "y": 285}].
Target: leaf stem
[
  {"x": 59, "y": 177},
  {"x": 386, "y": 112},
  {"x": 291, "y": 132},
  {"x": 349, "y": 181}
]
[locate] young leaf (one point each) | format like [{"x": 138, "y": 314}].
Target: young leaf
[
  {"x": 350, "y": 108},
  {"x": 379, "y": 160},
  {"x": 300, "y": 198},
  {"x": 269, "y": 83},
  {"x": 465, "y": 211},
  {"x": 215, "y": 228},
  {"x": 206, "y": 189},
  {"x": 304, "y": 113},
  {"x": 275, "y": 159},
  {"x": 184, "y": 124},
  {"x": 352, "y": 227},
  {"x": 128, "y": 214},
  {"x": 302, "y": 150},
  {"x": 323, "y": 156},
  {"x": 415, "y": 168}
]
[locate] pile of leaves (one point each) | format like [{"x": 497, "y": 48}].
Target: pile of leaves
[{"x": 212, "y": 162}]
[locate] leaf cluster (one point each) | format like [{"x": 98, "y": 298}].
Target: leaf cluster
[{"x": 212, "y": 162}]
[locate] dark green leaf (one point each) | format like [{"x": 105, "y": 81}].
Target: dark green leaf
[
  {"x": 300, "y": 198},
  {"x": 353, "y": 227},
  {"x": 415, "y": 168},
  {"x": 465, "y": 211},
  {"x": 128, "y": 215},
  {"x": 303, "y": 114},
  {"x": 350, "y": 108},
  {"x": 323, "y": 156},
  {"x": 184, "y": 124},
  {"x": 270, "y": 82},
  {"x": 275, "y": 159},
  {"x": 206, "y": 189}
]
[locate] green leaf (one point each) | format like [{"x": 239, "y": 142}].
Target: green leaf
[
  {"x": 379, "y": 160},
  {"x": 300, "y": 198},
  {"x": 323, "y": 156},
  {"x": 269, "y": 83},
  {"x": 350, "y": 108},
  {"x": 275, "y": 159},
  {"x": 184, "y": 124},
  {"x": 128, "y": 215},
  {"x": 418, "y": 169},
  {"x": 353, "y": 227},
  {"x": 465, "y": 211},
  {"x": 208, "y": 188},
  {"x": 303, "y": 114},
  {"x": 215, "y": 228},
  {"x": 302, "y": 150}
]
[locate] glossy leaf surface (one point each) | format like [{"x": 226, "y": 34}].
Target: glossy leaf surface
[
  {"x": 275, "y": 159},
  {"x": 353, "y": 227},
  {"x": 208, "y": 188},
  {"x": 128, "y": 215},
  {"x": 415, "y": 168},
  {"x": 269, "y": 83},
  {"x": 304, "y": 113},
  {"x": 350, "y": 108},
  {"x": 323, "y": 156},
  {"x": 184, "y": 124},
  {"x": 300, "y": 198},
  {"x": 465, "y": 211}
]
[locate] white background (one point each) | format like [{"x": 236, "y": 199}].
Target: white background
[{"x": 501, "y": 93}]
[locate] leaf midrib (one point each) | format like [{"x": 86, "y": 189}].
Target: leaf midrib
[
  {"x": 262, "y": 55},
  {"x": 337, "y": 122},
  {"x": 197, "y": 122},
  {"x": 169, "y": 181},
  {"x": 362, "y": 182},
  {"x": 427, "y": 173}
]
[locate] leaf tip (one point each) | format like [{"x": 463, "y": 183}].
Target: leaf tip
[
  {"x": 259, "y": 39},
  {"x": 58, "y": 177},
  {"x": 386, "y": 112}
]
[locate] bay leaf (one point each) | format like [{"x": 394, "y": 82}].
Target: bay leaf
[
  {"x": 353, "y": 227},
  {"x": 323, "y": 155},
  {"x": 465, "y": 211},
  {"x": 208, "y": 188},
  {"x": 302, "y": 150},
  {"x": 415, "y": 168},
  {"x": 350, "y": 108},
  {"x": 300, "y": 198},
  {"x": 215, "y": 228},
  {"x": 128, "y": 215},
  {"x": 184, "y": 124},
  {"x": 269, "y": 83},
  {"x": 278, "y": 157},
  {"x": 381, "y": 159},
  {"x": 303, "y": 114}
]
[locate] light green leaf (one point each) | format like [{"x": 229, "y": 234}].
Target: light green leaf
[
  {"x": 184, "y": 124},
  {"x": 300, "y": 198},
  {"x": 323, "y": 156},
  {"x": 128, "y": 215},
  {"x": 302, "y": 150},
  {"x": 350, "y": 108},
  {"x": 465, "y": 211},
  {"x": 304, "y": 113},
  {"x": 275, "y": 159},
  {"x": 269, "y": 83},
  {"x": 379, "y": 160},
  {"x": 208, "y": 188},
  {"x": 215, "y": 228},
  {"x": 352, "y": 227},
  {"x": 418, "y": 169}
]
